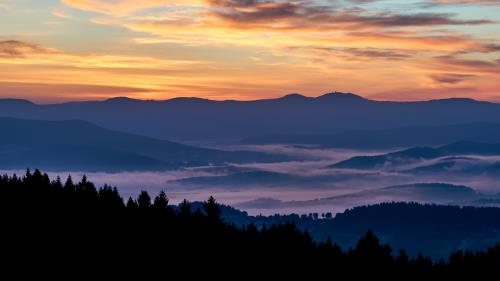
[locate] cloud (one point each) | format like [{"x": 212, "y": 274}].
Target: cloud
[
  {"x": 472, "y": 65},
  {"x": 5, "y": 5},
  {"x": 358, "y": 53},
  {"x": 123, "y": 7},
  {"x": 60, "y": 13},
  {"x": 30, "y": 67},
  {"x": 300, "y": 15},
  {"x": 450, "y": 78},
  {"x": 32, "y": 53},
  {"x": 306, "y": 46},
  {"x": 470, "y": 2},
  {"x": 17, "y": 49},
  {"x": 263, "y": 15},
  {"x": 50, "y": 92}
]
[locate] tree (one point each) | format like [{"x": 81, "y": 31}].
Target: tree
[
  {"x": 109, "y": 197},
  {"x": 370, "y": 249},
  {"x": 212, "y": 209},
  {"x": 86, "y": 187},
  {"x": 69, "y": 186},
  {"x": 144, "y": 201},
  {"x": 161, "y": 201},
  {"x": 403, "y": 257},
  {"x": 184, "y": 209},
  {"x": 57, "y": 184},
  {"x": 132, "y": 204}
]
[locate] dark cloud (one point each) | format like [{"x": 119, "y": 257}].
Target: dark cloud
[
  {"x": 378, "y": 53},
  {"x": 450, "y": 78},
  {"x": 492, "y": 47},
  {"x": 19, "y": 49},
  {"x": 360, "y": 53},
  {"x": 462, "y": 2},
  {"x": 482, "y": 65},
  {"x": 309, "y": 14}
]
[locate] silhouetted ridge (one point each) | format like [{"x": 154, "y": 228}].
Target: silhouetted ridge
[
  {"x": 203, "y": 119},
  {"x": 294, "y": 96},
  {"x": 16, "y": 102},
  {"x": 341, "y": 97},
  {"x": 457, "y": 100},
  {"x": 82, "y": 146},
  {"x": 190, "y": 100},
  {"x": 418, "y": 153},
  {"x": 124, "y": 100}
]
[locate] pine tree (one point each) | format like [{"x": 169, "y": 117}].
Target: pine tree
[
  {"x": 144, "y": 201},
  {"x": 212, "y": 209},
  {"x": 161, "y": 201}
]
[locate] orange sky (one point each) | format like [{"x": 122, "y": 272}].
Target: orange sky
[{"x": 53, "y": 51}]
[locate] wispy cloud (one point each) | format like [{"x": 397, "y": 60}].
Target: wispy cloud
[
  {"x": 12, "y": 49},
  {"x": 450, "y": 78}
]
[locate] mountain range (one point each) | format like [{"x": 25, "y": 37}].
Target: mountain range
[
  {"x": 83, "y": 146},
  {"x": 201, "y": 119}
]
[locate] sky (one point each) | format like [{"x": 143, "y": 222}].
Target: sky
[{"x": 55, "y": 51}]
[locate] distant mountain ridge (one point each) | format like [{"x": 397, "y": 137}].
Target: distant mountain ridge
[
  {"x": 390, "y": 138},
  {"x": 415, "y": 192},
  {"x": 202, "y": 119},
  {"x": 83, "y": 146},
  {"x": 417, "y": 154}
]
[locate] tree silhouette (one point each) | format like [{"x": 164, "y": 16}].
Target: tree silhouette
[
  {"x": 58, "y": 231},
  {"x": 144, "y": 201},
  {"x": 69, "y": 186},
  {"x": 161, "y": 201},
  {"x": 185, "y": 210},
  {"x": 132, "y": 204},
  {"x": 212, "y": 209}
]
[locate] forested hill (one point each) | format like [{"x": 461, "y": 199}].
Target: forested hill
[
  {"x": 435, "y": 230},
  {"x": 72, "y": 230}
]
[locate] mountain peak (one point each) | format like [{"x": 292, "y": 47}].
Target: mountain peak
[
  {"x": 294, "y": 96},
  {"x": 16, "y": 102},
  {"x": 339, "y": 96},
  {"x": 120, "y": 99}
]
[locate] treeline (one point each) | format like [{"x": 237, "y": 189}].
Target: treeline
[
  {"x": 436, "y": 230},
  {"x": 73, "y": 230}
]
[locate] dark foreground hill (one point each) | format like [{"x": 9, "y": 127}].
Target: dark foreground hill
[
  {"x": 52, "y": 230},
  {"x": 82, "y": 146}
]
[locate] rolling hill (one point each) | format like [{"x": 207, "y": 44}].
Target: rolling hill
[
  {"x": 389, "y": 138},
  {"x": 418, "y": 154},
  {"x": 82, "y": 146}
]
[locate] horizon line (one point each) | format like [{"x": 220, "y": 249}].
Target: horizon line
[{"x": 290, "y": 95}]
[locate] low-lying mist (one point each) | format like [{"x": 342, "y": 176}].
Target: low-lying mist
[{"x": 300, "y": 186}]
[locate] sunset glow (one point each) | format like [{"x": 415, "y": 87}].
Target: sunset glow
[{"x": 52, "y": 51}]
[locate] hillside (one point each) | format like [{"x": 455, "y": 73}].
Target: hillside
[
  {"x": 82, "y": 146},
  {"x": 418, "y": 154}
]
